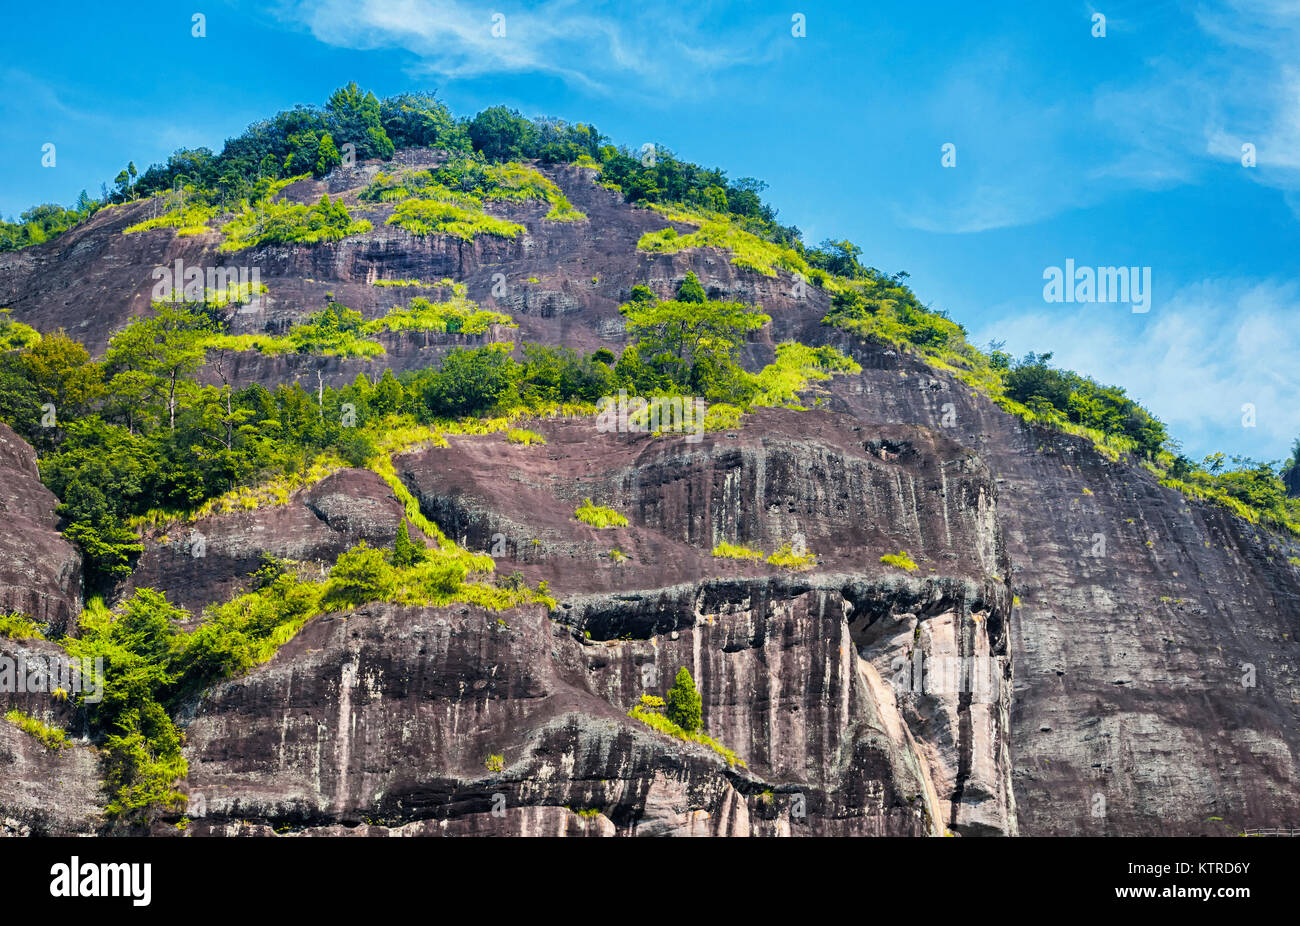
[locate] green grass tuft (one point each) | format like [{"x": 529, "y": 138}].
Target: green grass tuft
[
  {"x": 598, "y": 516},
  {"x": 900, "y": 559}
]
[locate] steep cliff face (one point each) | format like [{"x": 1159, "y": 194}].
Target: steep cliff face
[
  {"x": 46, "y": 791},
  {"x": 1068, "y": 657},
  {"x": 386, "y": 716},
  {"x": 1155, "y": 644},
  {"x": 40, "y": 572}
]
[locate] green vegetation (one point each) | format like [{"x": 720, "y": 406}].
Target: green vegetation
[
  {"x": 50, "y": 737},
  {"x": 450, "y": 199},
  {"x": 336, "y": 330},
  {"x": 457, "y": 315},
  {"x": 416, "y": 284},
  {"x": 683, "y": 703},
  {"x": 431, "y": 217},
  {"x": 270, "y": 222},
  {"x": 786, "y": 556},
  {"x": 650, "y": 712},
  {"x": 598, "y": 516},
  {"x": 1250, "y": 489},
  {"x": 900, "y": 560},
  {"x": 152, "y": 666},
  {"x": 789, "y": 558},
  {"x": 41, "y": 223},
  {"x": 524, "y": 436},
  {"x": 688, "y": 347},
  {"x": 15, "y": 335},
  {"x": 188, "y": 218},
  {"x": 495, "y": 763},
  {"x": 748, "y": 250},
  {"x": 469, "y": 182},
  {"x": 726, "y": 550},
  {"x": 18, "y": 626}
]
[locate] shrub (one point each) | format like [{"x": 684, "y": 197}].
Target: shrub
[
  {"x": 683, "y": 703},
  {"x": 472, "y": 382},
  {"x": 361, "y": 575},
  {"x": 271, "y": 222},
  {"x": 433, "y": 217}
]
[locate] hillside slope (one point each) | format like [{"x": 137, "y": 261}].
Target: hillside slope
[{"x": 1091, "y": 688}]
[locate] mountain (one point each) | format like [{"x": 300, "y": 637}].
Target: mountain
[{"x": 907, "y": 609}]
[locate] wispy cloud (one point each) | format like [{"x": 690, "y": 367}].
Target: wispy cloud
[
  {"x": 1202, "y": 88},
  {"x": 667, "y": 51},
  {"x": 1203, "y": 354}
]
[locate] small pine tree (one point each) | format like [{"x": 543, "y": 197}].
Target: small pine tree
[
  {"x": 691, "y": 290},
  {"x": 407, "y": 552},
  {"x": 684, "y": 702}
]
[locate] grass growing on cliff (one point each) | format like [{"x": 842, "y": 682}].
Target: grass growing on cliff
[
  {"x": 188, "y": 218},
  {"x": 434, "y": 217},
  {"x": 726, "y": 550},
  {"x": 796, "y": 367},
  {"x": 598, "y": 516},
  {"x": 720, "y": 231},
  {"x": 18, "y": 626},
  {"x": 457, "y": 315},
  {"x": 524, "y": 436},
  {"x": 900, "y": 560},
  {"x": 270, "y": 222},
  {"x": 468, "y": 182},
  {"x": 50, "y": 737},
  {"x": 648, "y": 711},
  {"x": 788, "y": 557}
]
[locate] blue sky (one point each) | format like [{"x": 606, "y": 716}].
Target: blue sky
[{"x": 1117, "y": 150}]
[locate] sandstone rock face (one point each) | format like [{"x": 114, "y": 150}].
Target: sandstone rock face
[
  {"x": 1080, "y": 650},
  {"x": 45, "y": 792},
  {"x": 388, "y": 715},
  {"x": 208, "y": 560},
  {"x": 40, "y": 572},
  {"x": 1154, "y": 648}
]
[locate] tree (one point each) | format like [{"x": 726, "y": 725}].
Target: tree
[
  {"x": 355, "y": 119},
  {"x": 691, "y": 290},
  {"x": 472, "y": 382},
  {"x": 388, "y": 395},
  {"x": 360, "y": 575},
  {"x": 501, "y": 134},
  {"x": 407, "y": 552},
  {"x": 420, "y": 120},
  {"x": 682, "y": 340},
  {"x": 684, "y": 702},
  {"x": 155, "y": 356}
]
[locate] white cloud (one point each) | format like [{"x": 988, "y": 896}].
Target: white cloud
[
  {"x": 668, "y": 51},
  {"x": 1205, "y": 87},
  {"x": 1194, "y": 361}
]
